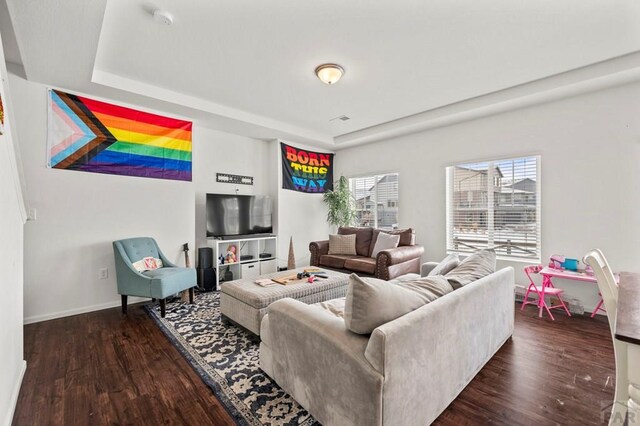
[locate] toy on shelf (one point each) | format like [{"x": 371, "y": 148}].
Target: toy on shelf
[{"x": 231, "y": 254}]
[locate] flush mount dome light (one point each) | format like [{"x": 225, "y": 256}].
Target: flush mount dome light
[{"x": 329, "y": 73}]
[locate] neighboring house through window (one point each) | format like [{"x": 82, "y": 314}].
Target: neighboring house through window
[
  {"x": 495, "y": 204},
  {"x": 376, "y": 200}
]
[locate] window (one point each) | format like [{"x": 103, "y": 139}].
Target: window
[
  {"x": 495, "y": 204},
  {"x": 376, "y": 200}
]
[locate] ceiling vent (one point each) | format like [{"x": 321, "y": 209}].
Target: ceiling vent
[{"x": 341, "y": 118}]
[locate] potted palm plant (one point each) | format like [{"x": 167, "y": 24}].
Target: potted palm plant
[{"x": 341, "y": 204}]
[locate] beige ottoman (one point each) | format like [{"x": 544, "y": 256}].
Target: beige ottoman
[{"x": 245, "y": 302}]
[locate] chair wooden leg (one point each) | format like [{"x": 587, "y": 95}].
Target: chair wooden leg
[
  {"x": 191, "y": 295},
  {"x": 163, "y": 307},
  {"x": 124, "y": 303}
]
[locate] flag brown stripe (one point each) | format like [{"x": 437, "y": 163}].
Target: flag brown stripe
[
  {"x": 97, "y": 128},
  {"x": 102, "y": 141}
]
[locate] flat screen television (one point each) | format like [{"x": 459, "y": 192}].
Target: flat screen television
[{"x": 230, "y": 216}]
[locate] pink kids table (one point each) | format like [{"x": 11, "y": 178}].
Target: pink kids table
[{"x": 549, "y": 273}]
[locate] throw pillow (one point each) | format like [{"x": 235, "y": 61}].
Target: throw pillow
[
  {"x": 446, "y": 265},
  {"x": 342, "y": 244},
  {"x": 407, "y": 237},
  {"x": 371, "y": 302},
  {"x": 385, "y": 242},
  {"x": 478, "y": 265},
  {"x": 147, "y": 264},
  {"x": 363, "y": 238}
]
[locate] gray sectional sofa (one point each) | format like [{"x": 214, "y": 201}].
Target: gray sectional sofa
[{"x": 406, "y": 372}]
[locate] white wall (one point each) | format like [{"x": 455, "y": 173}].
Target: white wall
[
  {"x": 217, "y": 152},
  {"x": 12, "y": 216},
  {"x": 11, "y": 357},
  {"x": 300, "y": 215},
  {"x": 590, "y": 174},
  {"x": 80, "y": 214}
]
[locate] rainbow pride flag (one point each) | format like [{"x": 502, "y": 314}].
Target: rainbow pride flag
[{"x": 98, "y": 137}]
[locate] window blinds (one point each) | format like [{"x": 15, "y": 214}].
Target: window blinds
[
  {"x": 495, "y": 204},
  {"x": 376, "y": 200}
]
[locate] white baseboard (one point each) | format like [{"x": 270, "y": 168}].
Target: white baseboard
[
  {"x": 83, "y": 310},
  {"x": 14, "y": 395}
]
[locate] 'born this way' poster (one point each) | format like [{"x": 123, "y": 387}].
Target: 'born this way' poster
[{"x": 306, "y": 171}]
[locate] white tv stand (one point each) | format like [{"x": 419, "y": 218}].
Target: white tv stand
[{"x": 247, "y": 268}]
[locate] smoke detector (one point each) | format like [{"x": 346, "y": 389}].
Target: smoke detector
[{"x": 163, "y": 17}]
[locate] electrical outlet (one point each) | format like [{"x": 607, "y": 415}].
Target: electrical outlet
[{"x": 103, "y": 273}]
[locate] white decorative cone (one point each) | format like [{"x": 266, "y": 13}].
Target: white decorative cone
[{"x": 291, "y": 263}]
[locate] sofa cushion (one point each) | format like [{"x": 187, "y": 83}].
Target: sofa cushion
[
  {"x": 446, "y": 265},
  {"x": 342, "y": 244},
  {"x": 371, "y": 302},
  {"x": 167, "y": 281},
  {"x": 361, "y": 264},
  {"x": 407, "y": 238},
  {"x": 478, "y": 265},
  {"x": 334, "y": 307},
  {"x": 334, "y": 260},
  {"x": 363, "y": 238},
  {"x": 405, "y": 277},
  {"x": 384, "y": 241}
]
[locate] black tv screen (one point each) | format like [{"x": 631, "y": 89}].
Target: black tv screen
[{"x": 236, "y": 215}]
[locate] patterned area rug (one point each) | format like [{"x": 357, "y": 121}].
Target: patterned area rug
[{"x": 227, "y": 359}]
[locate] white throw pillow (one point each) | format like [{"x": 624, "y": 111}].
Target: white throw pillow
[
  {"x": 385, "y": 242},
  {"x": 480, "y": 264},
  {"x": 447, "y": 265},
  {"x": 147, "y": 264},
  {"x": 342, "y": 244}
]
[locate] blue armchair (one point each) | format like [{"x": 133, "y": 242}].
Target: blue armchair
[{"x": 157, "y": 284}]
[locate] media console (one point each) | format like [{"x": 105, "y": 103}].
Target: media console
[{"x": 259, "y": 254}]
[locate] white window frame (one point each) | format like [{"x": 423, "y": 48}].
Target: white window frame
[
  {"x": 490, "y": 217},
  {"x": 374, "y": 200}
]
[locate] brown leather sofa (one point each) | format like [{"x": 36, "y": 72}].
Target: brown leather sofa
[{"x": 389, "y": 264}]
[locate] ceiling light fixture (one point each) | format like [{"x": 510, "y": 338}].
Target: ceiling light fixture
[
  {"x": 329, "y": 73},
  {"x": 163, "y": 17}
]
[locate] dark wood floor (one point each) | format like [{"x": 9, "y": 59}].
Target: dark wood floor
[{"x": 105, "y": 368}]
